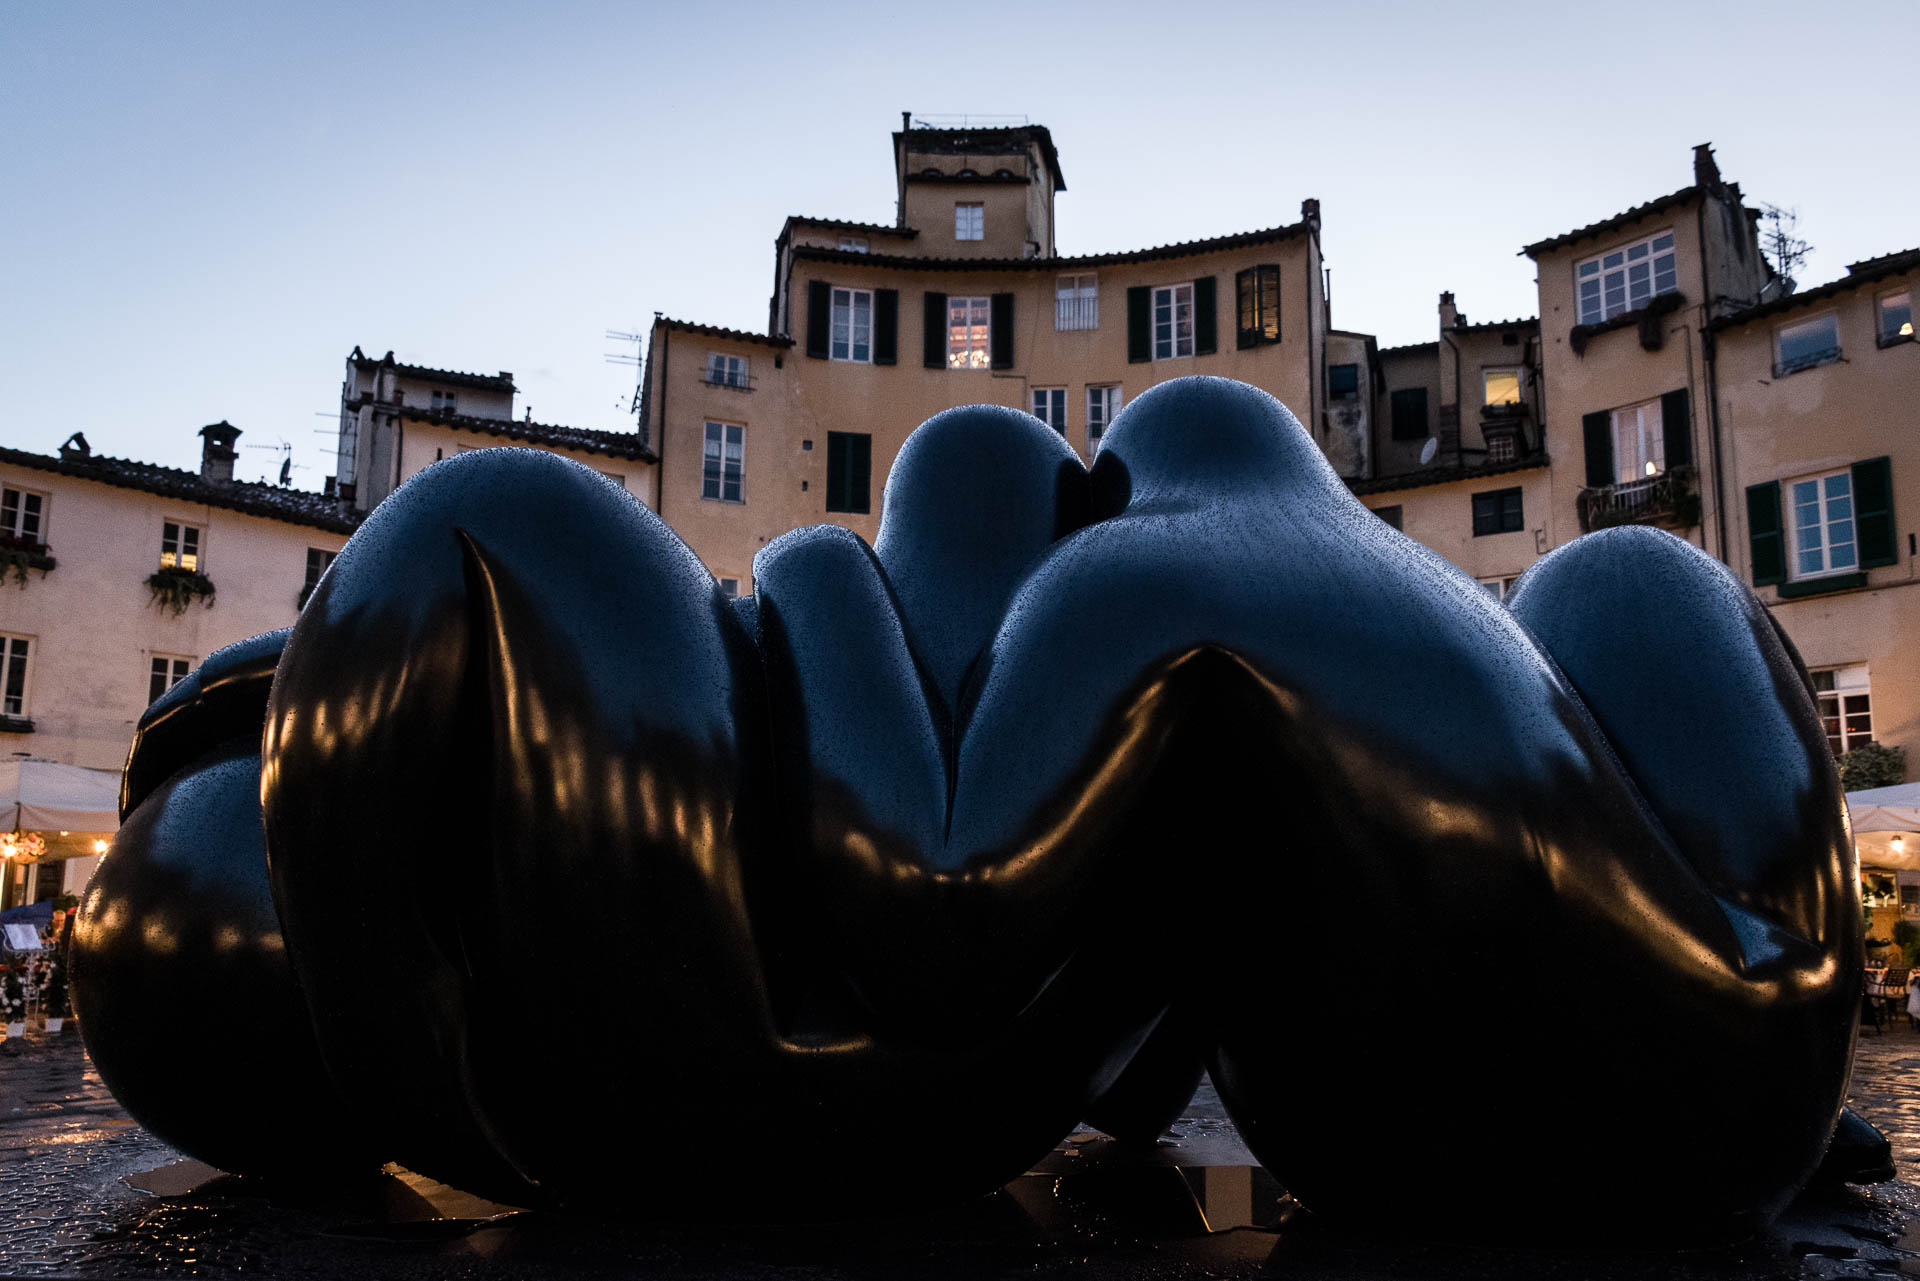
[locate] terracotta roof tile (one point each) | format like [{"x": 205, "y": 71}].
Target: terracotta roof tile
[
  {"x": 1445, "y": 475},
  {"x": 1605, "y": 225},
  {"x": 614, "y": 444},
  {"x": 1179, "y": 249},
  {"x": 253, "y": 498}
]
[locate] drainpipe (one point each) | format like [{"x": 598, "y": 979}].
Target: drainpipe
[
  {"x": 660, "y": 450},
  {"x": 1707, "y": 346},
  {"x": 1459, "y": 402}
]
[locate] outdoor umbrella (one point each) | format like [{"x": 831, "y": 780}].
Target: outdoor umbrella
[{"x": 1886, "y": 826}]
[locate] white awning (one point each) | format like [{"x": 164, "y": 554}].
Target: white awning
[
  {"x": 1886, "y": 825},
  {"x": 45, "y": 796}
]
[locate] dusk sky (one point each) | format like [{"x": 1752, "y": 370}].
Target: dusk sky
[{"x": 206, "y": 207}]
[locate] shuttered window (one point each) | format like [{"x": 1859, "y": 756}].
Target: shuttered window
[
  {"x": 1498, "y": 511},
  {"x": 1409, "y": 406},
  {"x": 1257, "y": 305},
  {"x": 849, "y": 471}
]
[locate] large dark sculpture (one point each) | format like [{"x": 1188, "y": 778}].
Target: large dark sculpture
[{"x": 1077, "y": 782}]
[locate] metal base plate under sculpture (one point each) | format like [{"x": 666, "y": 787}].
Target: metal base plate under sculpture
[{"x": 878, "y": 847}]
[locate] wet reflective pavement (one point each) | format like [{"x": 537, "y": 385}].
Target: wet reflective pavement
[{"x": 86, "y": 1192}]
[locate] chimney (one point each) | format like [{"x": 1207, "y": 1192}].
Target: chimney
[
  {"x": 1450, "y": 317},
  {"x": 1705, "y": 172},
  {"x": 217, "y": 453},
  {"x": 1310, "y": 212},
  {"x": 76, "y": 446}
]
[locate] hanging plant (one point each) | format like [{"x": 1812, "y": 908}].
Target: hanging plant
[
  {"x": 175, "y": 589},
  {"x": 18, "y": 555}
]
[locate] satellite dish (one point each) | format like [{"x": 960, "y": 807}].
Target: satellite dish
[{"x": 1428, "y": 450}]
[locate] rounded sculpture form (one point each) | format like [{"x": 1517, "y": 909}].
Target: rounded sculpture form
[{"x": 897, "y": 844}]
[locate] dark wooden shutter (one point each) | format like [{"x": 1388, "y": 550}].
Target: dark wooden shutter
[
  {"x": 836, "y": 471},
  {"x": 1677, "y": 425},
  {"x": 934, "y": 338},
  {"x": 1139, "y": 323},
  {"x": 1873, "y": 513},
  {"x": 1000, "y": 331},
  {"x": 1598, "y": 429},
  {"x": 1206, "y": 320},
  {"x": 1766, "y": 542},
  {"x": 819, "y": 317},
  {"x": 860, "y": 473},
  {"x": 886, "y": 326},
  {"x": 1246, "y": 289}
]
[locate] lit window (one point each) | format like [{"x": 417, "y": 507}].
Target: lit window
[
  {"x": 1500, "y": 386},
  {"x": 726, "y": 371},
  {"x": 725, "y": 462},
  {"x": 1076, "y": 302},
  {"x": 1625, "y": 279},
  {"x": 852, "y": 337},
  {"x": 967, "y": 333},
  {"x": 1498, "y": 511},
  {"x": 23, "y": 516},
  {"x": 1172, "y": 321},
  {"x": 1639, "y": 443},
  {"x": 853, "y": 244},
  {"x": 1896, "y": 318},
  {"x": 1846, "y": 706},
  {"x": 179, "y": 547},
  {"x": 1257, "y": 291},
  {"x": 1823, "y": 533},
  {"x": 1809, "y": 343},
  {"x": 969, "y": 222},
  {"x": 166, "y": 672},
  {"x": 1050, "y": 407},
  {"x": 1102, "y": 404},
  {"x": 15, "y": 654}
]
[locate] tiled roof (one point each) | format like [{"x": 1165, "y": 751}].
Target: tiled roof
[
  {"x": 502, "y": 381},
  {"x": 296, "y": 506},
  {"x": 1859, "y": 274},
  {"x": 841, "y": 224},
  {"x": 738, "y": 335},
  {"x": 1444, "y": 475},
  {"x": 614, "y": 444},
  {"x": 1001, "y": 133},
  {"x": 1181, "y": 249},
  {"x": 1481, "y": 326},
  {"x": 1407, "y": 347},
  {"x": 1605, "y": 225}
]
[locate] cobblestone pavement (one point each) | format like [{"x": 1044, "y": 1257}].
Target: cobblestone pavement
[{"x": 86, "y": 1192}]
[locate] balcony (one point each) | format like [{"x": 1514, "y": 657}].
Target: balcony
[
  {"x": 1670, "y": 500},
  {"x": 731, "y": 379}
]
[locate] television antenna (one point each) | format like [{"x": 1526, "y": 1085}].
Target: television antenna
[
  {"x": 634, "y": 359},
  {"x": 284, "y": 448}
]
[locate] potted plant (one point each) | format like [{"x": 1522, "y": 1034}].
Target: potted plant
[
  {"x": 53, "y": 997},
  {"x": 175, "y": 589},
  {"x": 13, "y": 1002}
]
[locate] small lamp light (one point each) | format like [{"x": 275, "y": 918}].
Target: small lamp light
[{"x": 1651, "y": 469}]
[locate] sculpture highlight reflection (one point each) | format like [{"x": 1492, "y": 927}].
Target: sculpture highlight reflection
[{"x": 1077, "y": 782}]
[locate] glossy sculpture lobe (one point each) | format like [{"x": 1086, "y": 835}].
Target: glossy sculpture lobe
[{"x": 1074, "y": 784}]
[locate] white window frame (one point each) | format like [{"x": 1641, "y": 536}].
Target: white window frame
[
  {"x": 1500, "y": 586},
  {"x": 850, "y": 334},
  {"x": 179, "y": 556},
  {"x": 1639, "y": 442},
  {"x": 444, "y": 400},
  {"x": 1050, "y": 406},
  {"x": 853, "y": 244},
  {"x": 1076, "y": 301},
  {"x": 1104, "y": 402},
  {"x": 724, "y": 370},
  {"x": 18, "y": 652},
  {"x": 1835, "y": 517},
  {"x": 1626, "y": 277},
  {"x": 13, "y": 524},
  {"x": 1503, "y": 448},
  {"x": 1829, "y": 320},
  {"x": 1172, "y": 304},
  {"x": 714, "y": 444},
  {"x": 970, "y": 320},
  {"x": 168, "y": 668},
  {"x": 723, "y": 580},
  {"x": 969, "y": 220},
  {"x": 1884, "y": 303},
  {"x": 1845, "y": 694},
  {"x": 1488, "y": 373}
]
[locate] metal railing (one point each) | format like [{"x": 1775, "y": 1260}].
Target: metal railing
[
  {"x": 734, "y": 381},
  {"x": 1076, "y": 313},
  {"x": 1669, "y": 498}
]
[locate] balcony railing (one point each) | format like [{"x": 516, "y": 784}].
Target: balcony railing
[
  {"x": 1076, "y": 313},
  {"x": 1671, "y": 499},
  {"x": 722, "y": 378}
]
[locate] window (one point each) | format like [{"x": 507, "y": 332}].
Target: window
[
  {"x": 1050, "y": 407},
  {"x": 729, "y": 586},
  {"x": 1809, "y": 343},
  {"x": 443, "y": 400},
  {"x": 852, "y": 333},
  {"x": 1626, "y": 279},
  {"x": 849, "y": 471},
  {"x": 1500, "y": 386},
  {"x": 1172, "y": 321},
  {"x": 1503, "y": 448},
  {"x": 1409, "y": 405},
  {"x": 1102, "y": 404},
  {"x": 166, "y": 672},
  {"x": 1076, "y": 302},
  {"x": 1497, "y": 512},
  {"x": 969, "y": 222},
  {"x": 726, "y": 371},
  {"x": 967, "y": 333},
  {"x": 318, "y": 558},
  {"x": 1499, "y": 588},
  {"x": 1639, "y": 443},
  {"x": 724, "y": 463},
  {"x": 179, "y": 547},
  {"x": 1391, "y": 515},
  {"x": 16, "y": 653},
  {"x": 853, "y": 244},
  {"x": 1846, "y": 706},
  {"x": 1896, "y": 318},
  {"x": 23, "y": 516},
  {"x": 1258, "y": 290},
  {"x": 1343, "y": 382},
  {"x": 1822, "y": 525}
]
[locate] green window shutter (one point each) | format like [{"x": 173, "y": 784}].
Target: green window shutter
[
  {"x": 1873, "y": 513},
  {"x": 1598, "y": 429},
  {"x": 1139, "y": 323},
  {"x": 819, "y": 317},
  {"x": 1246, "y": 307},
  {"x": 1000, "y": 331},
  {"x": 860, "y": 473},
  {"x": 1206, "y": 327},
  {"x": 1676, "y": 423},
  {"x": 1410, "y": 413},
  {"x": 836, "y": 471},
  {"x": 1766, "y": 541},
  {"x": 886, "y": 326},
  {"x": 934, "y": 341}
]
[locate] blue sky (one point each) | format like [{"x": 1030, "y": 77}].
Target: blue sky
[{"x": 205, "y": 207}]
